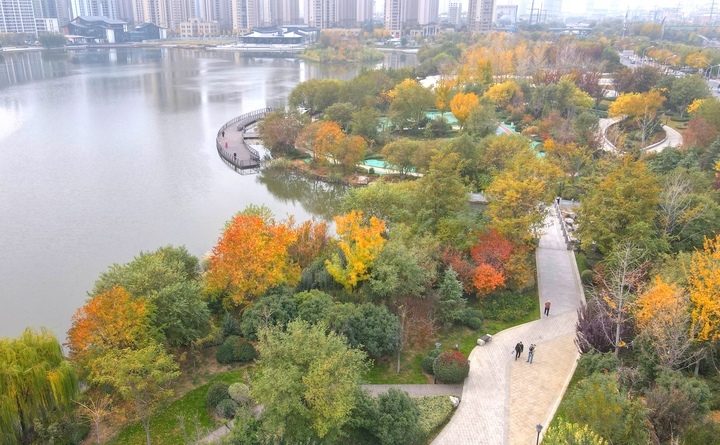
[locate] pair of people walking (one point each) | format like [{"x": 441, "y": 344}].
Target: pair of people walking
[{"x": 519, "y": 348}]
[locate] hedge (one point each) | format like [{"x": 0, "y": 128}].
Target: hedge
[
  {"x": 433, "y": 412},
  {"x": 451, "y": 367}
]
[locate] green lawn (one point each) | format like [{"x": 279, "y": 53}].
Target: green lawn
[
  {"x": 385, "y": 372},
  {"x": 165, "y": 424}
]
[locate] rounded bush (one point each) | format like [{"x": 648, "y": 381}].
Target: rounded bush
[
  {"x": 235, "y": 349},
  {"x": 226, "y": 409},
  {"x": 427, "y": 364},
  {"x": 217, "y": 392},
  {"x": 451, "y": 367},
  {"x": 434, "y": 353},
  {"x": 587, "y": 276},
  {"x": 468, "y": 314},
  {"x": 240, "y": 393},
  {"x": 474, "y": 323}
]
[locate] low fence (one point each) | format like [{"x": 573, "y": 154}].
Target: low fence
[
  {"x": 241, "y": 122},
  {"x": 569, "y": 241}
]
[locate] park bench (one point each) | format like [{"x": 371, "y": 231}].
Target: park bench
[{"x": 484, "y": 339}]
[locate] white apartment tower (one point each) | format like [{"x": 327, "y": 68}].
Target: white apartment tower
[
  {"x": 428, "y": 11},
  {"x": 289, "y": 12},
  {"x": 325, "y": 14},
  {"x": 400, "y": 14},
  {"x": 454, "y": 13},
  {"x": 365, "y": 9},
  {"x": 480, "y": 13},
  {"x": 245, "y": 14},
  {"x": 17, "y": 16}
]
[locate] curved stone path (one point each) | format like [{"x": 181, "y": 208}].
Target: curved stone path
[
  {"x": 672, "y": 137},
  {"x": 503, "y": 399}
]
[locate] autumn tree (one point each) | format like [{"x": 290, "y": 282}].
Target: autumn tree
[
  {"x": 641, "y": 108},
  {"x": 308, "y": 381},
  {"x": 365, "y": 123},
  {"x": 443, "y": 94},
  {"x": 491, "y": 254},
  {"x": 349, "y": 152},
  {"x": 111, "y": 320},
  {"x": 279, "y": 130},
  {"x": 462, "y": 104},
  {"x": 685, "y": 90},
  {"x": 441, "y": 191},
  {"x": 502, "y": 93},
  {"x": 662, "y": 316},
  {"x": 518, "y": 197},
  {"x": 328, "y": 138},
  {"x": 704, "y": 290},
  {"x": 341, "y": 114},
  {"x": 251, "y": 256},
  {"x": 360, "y": 243},
  {"x": 140, "y": 376},
  {"x": 315, "y": 95},
  {"x": 410, "y": 101},
  {"x": 311, "y": 242},
  {"x": 35, "y": 380}
]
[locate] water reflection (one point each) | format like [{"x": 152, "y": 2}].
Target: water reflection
[{"x": 316, "y": 197}]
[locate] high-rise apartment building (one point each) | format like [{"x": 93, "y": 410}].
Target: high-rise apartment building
[
  {"x": 480, "y": 15},
  {"x": 400, "y": 14},
  {"x": 245, "y": 14},
  {"x": 365, "y": 9},
  {"x": 428, "y": 11},
  {"x": 289, "y": 12},
  {"x": 454, "y": 13},
  {"x": 17, "y": 16},
  {"x": 325, "y": 14}
]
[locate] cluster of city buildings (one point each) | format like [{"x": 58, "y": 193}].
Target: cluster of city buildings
[{"x": 190, "y": 18}]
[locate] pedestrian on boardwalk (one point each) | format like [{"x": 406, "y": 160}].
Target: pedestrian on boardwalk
[
  {"x": 518, "y": 350},
  {"x": 547, "y": 308},
  {"x": 531, "y": 353},
  {"x": 226, "y": 145},
  {"x": 223, "y": 133},
  {"x": 234, "y": 155}
]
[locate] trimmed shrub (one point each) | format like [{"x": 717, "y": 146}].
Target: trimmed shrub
[
  {"x": 427, "y": 364},
  {"x": 217, "y": 392},
  {"x": 235, "y": 349},
  {"x": 469, "y": 317},
  {"x": 433, "y": 412},
  {"x": 226, "y": 409},
  {"x": 240, "y": 393},
  {"x": 451, "y": 367},
  {"x": 508, "y": 306},
  {"x": 434, "y": 353},
  {"x": 587, "y": 276}
]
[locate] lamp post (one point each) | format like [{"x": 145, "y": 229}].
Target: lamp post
[
  {"x": 667, "y": 68},
  {"x": 538, "y": 428},
  {"x": 645, "y": 51}
]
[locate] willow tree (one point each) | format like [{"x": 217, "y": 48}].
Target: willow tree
[{"x": 35, "y": 379}]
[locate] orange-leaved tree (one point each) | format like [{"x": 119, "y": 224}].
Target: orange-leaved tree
[
  {"x": 491, "y": 254},
  {"x": 311, "y": 242},
  {"x": 360, "y": 243},
  {"x": 111, "y": 320},
  {"x": 251, "y": 256},
  {"x": 462, "y": 104}
]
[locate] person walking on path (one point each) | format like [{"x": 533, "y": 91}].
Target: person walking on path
[
  {"x": 531, "y": 353},
  {"x": 518, "y": 350},
  {"x": 223, "y": 133},
  {"x": 547, "y": 308},
  {"x": 226, "y": 146}
]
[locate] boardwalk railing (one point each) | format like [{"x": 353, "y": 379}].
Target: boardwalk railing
[{"x": 241, "y": 122}]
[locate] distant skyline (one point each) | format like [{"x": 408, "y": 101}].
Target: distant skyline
[{"x": 580, "y": 6}]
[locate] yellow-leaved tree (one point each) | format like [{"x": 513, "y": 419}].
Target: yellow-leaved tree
[
  {"x": 662, "y": 316},
  {"x": 360, "y": 244},
  {"x": 641, "y": 108},
  {"x": 502, "y": 93},
  {"x": 704, "y": 289},
  {"x": 462, "y": 104}
]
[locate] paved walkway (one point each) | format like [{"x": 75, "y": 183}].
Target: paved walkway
[
  {"x": 673, "y": 139},
  {"x": 417, "y": 390},
  {"x": 504, "y": 399}
]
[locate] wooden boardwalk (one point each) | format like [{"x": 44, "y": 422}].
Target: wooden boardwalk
[{"x": 231, "y": 145}]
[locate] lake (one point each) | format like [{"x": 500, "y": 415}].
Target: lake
[{"x": 107, "y": 153}]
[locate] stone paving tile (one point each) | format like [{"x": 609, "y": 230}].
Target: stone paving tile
[
  {"x": 534, "y": 387},
  {"x": 484, "y": 414}
]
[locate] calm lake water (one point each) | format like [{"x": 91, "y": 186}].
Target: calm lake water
[{"x": 107, "y": 153}]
